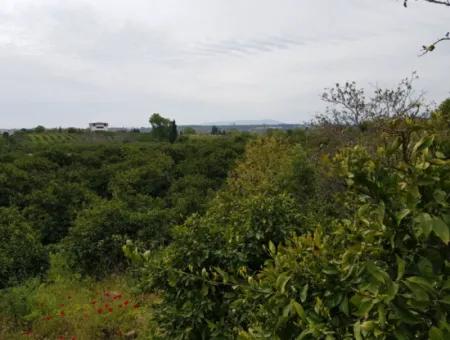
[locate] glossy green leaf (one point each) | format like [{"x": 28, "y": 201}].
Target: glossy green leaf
[
  {"x": 343, "y": 307},
  {"x": 423, "y": 223},
  {"x": 440, "y": 228},
  {"x": 298, "y": 309},
  {"x": 423, "y": 143},
  {"x": 357, "y": 330},
  {"x": 441, "y": 197},
  {"x": 377, "y": 273},
  {"x": 420, "y": 294},
  {"x": 282, "y": 281},
  {"x": 304, "y": 293},
  {"x": 400, "y": 267},
  {"x": 421, "y": 281},
  {"x": 272, "y": 248},
  {"x": 364, "y": 307},
  {"x": 401, "y": 215}
]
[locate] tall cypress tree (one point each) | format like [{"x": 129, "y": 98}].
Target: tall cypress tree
[{"x": 173, "y": 132}]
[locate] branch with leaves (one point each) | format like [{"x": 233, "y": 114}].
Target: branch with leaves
[{"x": 431, "y": 48}]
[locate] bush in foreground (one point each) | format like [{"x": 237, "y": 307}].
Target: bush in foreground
[{"x": 21, "y": 252}]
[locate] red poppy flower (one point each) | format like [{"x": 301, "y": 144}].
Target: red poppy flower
[
  {"x": 126, "y": 302},
  {"x": 110, "y": 310},
  {"x": 93, "y": 302},
  {"x": 48, "y": 318},
  {"x": 100, "y": 311},
  {"x": 62, "y": 314},
  {"x": 136, "y": 305}
]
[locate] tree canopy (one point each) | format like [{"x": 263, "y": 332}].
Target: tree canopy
[{"x": 163, "y": 129}]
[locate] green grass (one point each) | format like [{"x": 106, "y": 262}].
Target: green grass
[{"x": 66, "y": 306}]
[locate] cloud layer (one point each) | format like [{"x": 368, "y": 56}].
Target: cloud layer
[{"x": 65, "y": 63}]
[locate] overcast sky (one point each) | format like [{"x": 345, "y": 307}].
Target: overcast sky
[{"x": 66, "y": 63}]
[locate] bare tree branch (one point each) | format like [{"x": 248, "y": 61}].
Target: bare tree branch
[
  {"x": 431, "y": 48},
  {"x": 350, "y": 107},
  {"x": 437, "y": 2}
]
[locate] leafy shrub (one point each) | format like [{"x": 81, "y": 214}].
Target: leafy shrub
[
  {"x": 190, "y": 194},
  {"x": 444, "y": 110},
  {"x": 16, "y": 302},
  {"x": 383, "y": 272},
  {"x": 228, "y": 239},
  {"x": 267, "y": 167},
  {"x": 21, "y": 252},
  {"x": 94, "y": 243},
  {"x": 14, "y": 184},
  {"x": 227, "y": 242},
  {"x": 378, "y": 269},
  {"x": 52, "y": 210},
  {"x": 151, "y": 178}
]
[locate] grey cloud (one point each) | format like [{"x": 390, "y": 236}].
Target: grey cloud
[
  {"x": 80, "y": 33},
  {"x": 67, "y": 62},
  {"x": 250, "y": 46}
]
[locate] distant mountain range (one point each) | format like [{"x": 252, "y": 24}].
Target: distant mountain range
[{"x": 246, "y": 122}]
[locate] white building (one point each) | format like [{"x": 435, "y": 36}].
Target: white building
[{"x": 98, "y": 126}]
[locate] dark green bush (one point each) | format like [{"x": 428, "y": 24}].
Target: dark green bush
[
  {"x": 377, "y": 269},
  {"x": 21, "y": 252},
  {"x": 152, "y": 185},
  {"x": 94, "y": 243},
  {"x": 52, "y": 210},
  {"x": 228, "y": 241},
  {"x": 231, "y": 237},
  {"x": 381, "y": 273}
]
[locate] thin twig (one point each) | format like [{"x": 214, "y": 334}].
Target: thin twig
[
  {"x": 430, "y": 48},
  {"x": 437, "y": 2}
]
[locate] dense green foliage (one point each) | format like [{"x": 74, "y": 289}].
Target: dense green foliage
[
  {"x": 304, "y": 243},
  {"x": 380, "y": 272},
  {"x": 339, "y": 231},
  {"x": 257, "y": 206},
  {"x": 163, "y": 129},
  {"x": 21, "y": 252},
  {"x": 86, "y": 199}
]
